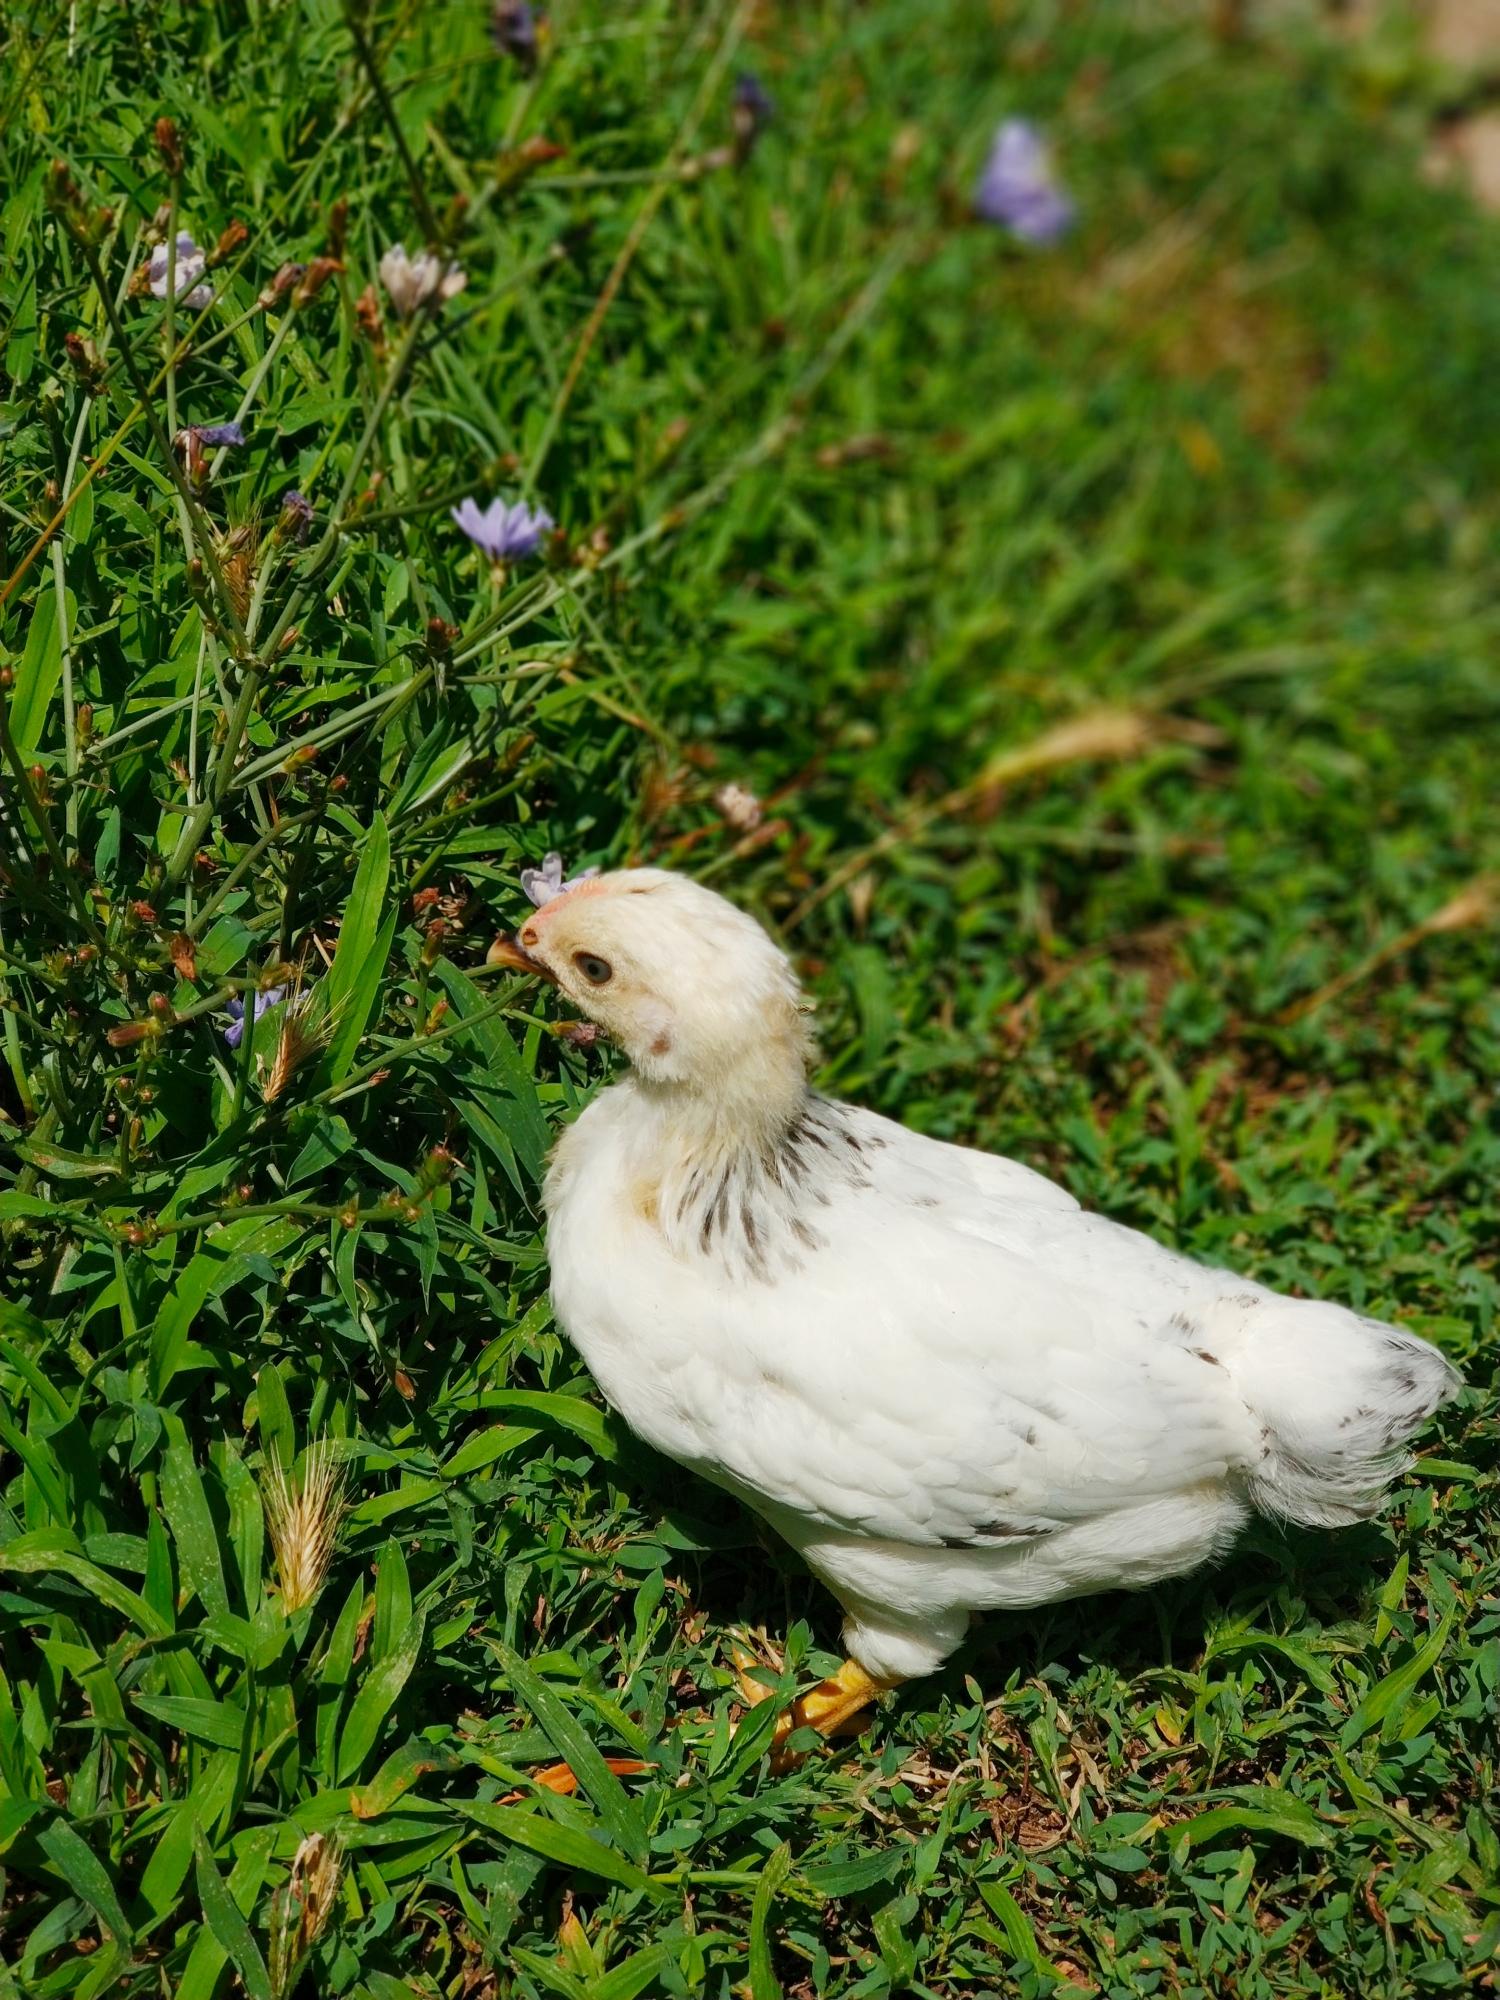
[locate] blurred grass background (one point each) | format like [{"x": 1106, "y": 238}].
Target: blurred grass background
[{"x": 1109, "y": 632}]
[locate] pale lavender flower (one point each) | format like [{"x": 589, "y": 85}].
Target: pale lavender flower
[
  {"x": 234, "y": 1034},
  {"x": 540, "y": 885},
  {"x": 216, "y": 434},
  {"x": 1019, "y": 189},
  {"x": 504, "y": 533},
  {"x": 513, "y": 26},
  {"x": 412, "y": 281},
  {"x": 184, "y": 275}
]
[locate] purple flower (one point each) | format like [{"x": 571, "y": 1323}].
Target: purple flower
[
  {"x": 540, "y": 885},
  {"x": 513, "y": 26},
  {"x": 192, "y": 439},
  {"x": 1018, "y": 188},
  {"x": 504, "y": 533},
  {"x": 234, "y": 1034},
  {"x": 296, "y": 515},
  {"x": 751, "y": 110},
  {"x": 185, "y": 274}
]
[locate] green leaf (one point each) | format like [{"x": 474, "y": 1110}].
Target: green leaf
[
  {"x": 562, "y": 1844},
  {"x": 376, "y": 1699},
  {"x": 38, "y": 672},
  {"x": 16, "y": 1815},
  {"x": 511, "y": 1097},
  {"x": 572, "y": 1413},
  {"x": 635, "y": 1975},
  {"x": 32, "y": 1374},
  {"x": 1016, "y": 1925},
  {"x": 1388, "y": 1696},
  {"x": 400, "y": 1771},
  {"x": 216, "y": 1722},
  {"x": 223, "y": 1260},
  {"x": 837, "y": 1879},
  {"x": 185, "y": 1504},
  {"x": 1265, "y": 1811},
  {"x": 46, "y": 1552},
  {"x": 85, "y": 1874},
  {"x": 764, "y": 1985},
  {"x": 578, "y": 1751},
  {"x": 227, "y": 1924},
  {"x": 273, "y": 1416},
  {"x": 392, "y": 1601},
  {"x": 358, "y": 967}
]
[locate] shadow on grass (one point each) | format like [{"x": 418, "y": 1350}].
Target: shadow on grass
[{"x": 1279, "y": 1581}]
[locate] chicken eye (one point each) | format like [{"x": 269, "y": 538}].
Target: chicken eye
[{"x": 598, "y": 971}]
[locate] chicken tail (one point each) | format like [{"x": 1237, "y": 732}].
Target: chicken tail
[{"x": 1336, "y": 1397}]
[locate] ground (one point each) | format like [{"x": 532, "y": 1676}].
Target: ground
[{"x": 1108, "y": 630}]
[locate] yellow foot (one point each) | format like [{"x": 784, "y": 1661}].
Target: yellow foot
[
  {"x": 835, "y": 1707},
  {"x": 833, "y": 1704}
]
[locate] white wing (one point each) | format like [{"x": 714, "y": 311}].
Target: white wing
[{"x": 965, "y": 1358}]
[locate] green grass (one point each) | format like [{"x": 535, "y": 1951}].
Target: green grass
[{"x": 858, "y": 501}]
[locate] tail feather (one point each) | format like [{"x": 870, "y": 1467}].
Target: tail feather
[{"x": 1336, "y": 1397}]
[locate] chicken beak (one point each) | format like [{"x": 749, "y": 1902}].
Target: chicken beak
[{"x": 507, "y": 952}]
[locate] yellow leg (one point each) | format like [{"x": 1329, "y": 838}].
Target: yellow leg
[
  {"x": 833, "y": 1704},
  {"x": 833, "y": 1707}
]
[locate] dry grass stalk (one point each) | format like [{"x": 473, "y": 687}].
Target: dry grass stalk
[
  {"x": 1478, "y": 902},
  {"x": 304, "y": 1520},
  {"x": 1099, "y": 735}
]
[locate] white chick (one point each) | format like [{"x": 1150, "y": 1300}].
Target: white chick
[{"x": 943, "y": 1382}]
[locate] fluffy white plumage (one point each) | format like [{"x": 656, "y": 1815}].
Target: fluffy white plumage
[{"x": 939, "y": 1378}]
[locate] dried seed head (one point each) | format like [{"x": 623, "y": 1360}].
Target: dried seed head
[
  {"x": 304, "y": 1519},
  {"x": 306, "y": 1030},
  {"x": 302, "y": 1907}
]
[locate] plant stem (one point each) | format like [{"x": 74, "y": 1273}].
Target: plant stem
[{"x": 393, "y": 124}]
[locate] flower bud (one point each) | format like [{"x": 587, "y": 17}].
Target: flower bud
[
  {"x": 169, "y": 145},
  {"x": 229, "y": 242},
  {"x": 63, "y": 197},
  {"x": 82, "y": 359},
  {"x": 128, "y": 1033},
  {"x": 441, "y": 637},
  {"x": 315, "y": 277},
  {"x": 286, "y": 276}
]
